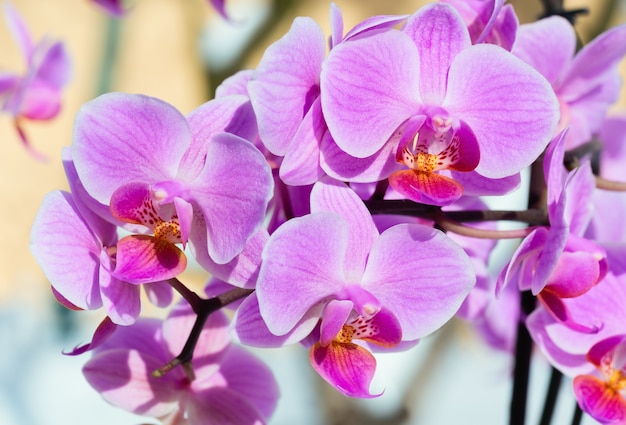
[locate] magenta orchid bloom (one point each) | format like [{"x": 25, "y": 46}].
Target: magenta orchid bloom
[
  {"x": 186, "y": 179},
  {"x": 35, "y": 95},
  {"x": 333, "y": 267},
  {"x": 437, "y": 115},
  {"x": 557, "y": 262},
  {"x": 82, "y": 265},
  {"x": 603, "y": 398},
  {"x": 114, "y": 8},
  {"x": 586, "y": 83},
  {"x": 231, "y": 386}
]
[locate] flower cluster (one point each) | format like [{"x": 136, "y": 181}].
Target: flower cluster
[{"x": 322, "y": 191}]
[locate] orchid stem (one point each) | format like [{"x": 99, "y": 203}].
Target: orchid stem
[
  {"x": 578, "y": 415},
  {"x": 553, "y": 392},
  {"x": 450, "y": 225},
  {"x": 192, "y": 298},
  {"x": 523, "y": 350},
  {"x": 204, "y": 308},
  {"x": 610, "y": 185}
]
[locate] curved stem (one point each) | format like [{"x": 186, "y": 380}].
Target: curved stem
[
  {"x": 204, "y": 309},
  {"x": 450, "y": 225},
  {"x": 610, "y": 185}
]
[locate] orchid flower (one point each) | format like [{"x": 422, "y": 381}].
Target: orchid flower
[
  {"x": 231, "y": 386},
  {"x": 557, "y": 262},
  {"x": 36, "y": 94},
  {"x": 333, "y": 267},
  {"x": 186, "y": 179},
  {"x": 437, "y": 115},
  {"x": 82, "y": 265},
  {"x": 603, "y": 398}
]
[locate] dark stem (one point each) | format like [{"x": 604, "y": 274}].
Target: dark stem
[
  {"x": 578, "y": 415},
  {"x": 555, "y": 7},
  {"x": 192, "y": 298},
  {"x": 523, "y": 350},
  {"x": 553, "y": 392},
  {"x": 413, "y": 209},
  {"x": 204, "y": 309}
]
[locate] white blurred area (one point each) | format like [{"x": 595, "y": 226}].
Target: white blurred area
[{"x": 165, "y": 49}]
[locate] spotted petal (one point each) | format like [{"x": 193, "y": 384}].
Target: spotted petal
[
  {"x": 426, "y": 188},
  {"x": 597, "y": 399},
  {"x": 348, "y": 367},
  {"x": 144, "y": 259}
]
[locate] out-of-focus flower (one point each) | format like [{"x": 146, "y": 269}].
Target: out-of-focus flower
[
  {"x": 586, "y": 83},
  {"x": 35, "y": 94},
  {"x": 230, "y": 386},
  {"x": 112, "y": 7}
]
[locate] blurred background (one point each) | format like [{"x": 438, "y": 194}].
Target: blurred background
[{"x": 179, "y": 51}]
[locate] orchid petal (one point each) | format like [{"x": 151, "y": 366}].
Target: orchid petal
[
  {"x": 557, "y": 308},
  {"x": 121, "y": 300},
  {"x": 424, "y": 289},
  {"x": 19, "y": 31},
  {"x": 215, "y": 406},
  {"x": 548, "y": 45},
  {"x": 332, "y": 196},
  {"x": 511, "y": 109},
  {"x": 439, "y": 34},
  {"x": 302, "y": 265},
  {"x": 250, "y": 377},
  {"x": 286, "y": 82},
  {"x": 426, "y": 188},
  {"x": 373, "y": 23},
  {"x": 69, "y": 262},
  {"x": 105, "y": 329},
  {"x": 55, "y": 67},
  {"x": 145, "y": 259},
  {"x": 598, "y": 400},
  {"x": 232, "y": 192},
  {"x": 123, "y": 378},
  {"x": 335, "y": 314},
  {"x": 143, "y": 136},
  {"x": 346, "y": 366},
  {"x": 159, "y": 293},
  {"x": 301, "y": 164},
  {"x": 249, "y": 328},
  {"x": 369, "y": 88},
  {"x": 336, "y": 26},
  {"x": 383, "y": 329},
  {"x": 229, "y": 114}
]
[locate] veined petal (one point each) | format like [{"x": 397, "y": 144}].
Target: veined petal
[
  {"x": 547, "y": 45},
  {"x": 598, "y": 400},
  {"x": 426, "y": 188},
  {"x": 341, "y": 166},
  {"x": 67, "y": 249},
  {"x": 347, "y": 367},
  {"x": 229, "y": 114},
  {"x": 302, "y": 266},
  {"x": 145, "y": 259},
  {"x": 511, "y": 109},
  {"x": 301, "y": 164},
  {"x": 249, "y": 328},
  {"x": 232, "y": 192},
  {"x": 141, "y": 135},
  {"x": 439, "y": 34},
  {"x": 332, "y": 196},
  {"x": 594, "y": 61},
  {"x": 286, "y": 82},
  {"x": 369, "y": 87},
  {"x": 423, "y": 289},
  {"x": 221, "y": 406},
  {"x": 374, "y": 22}
]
